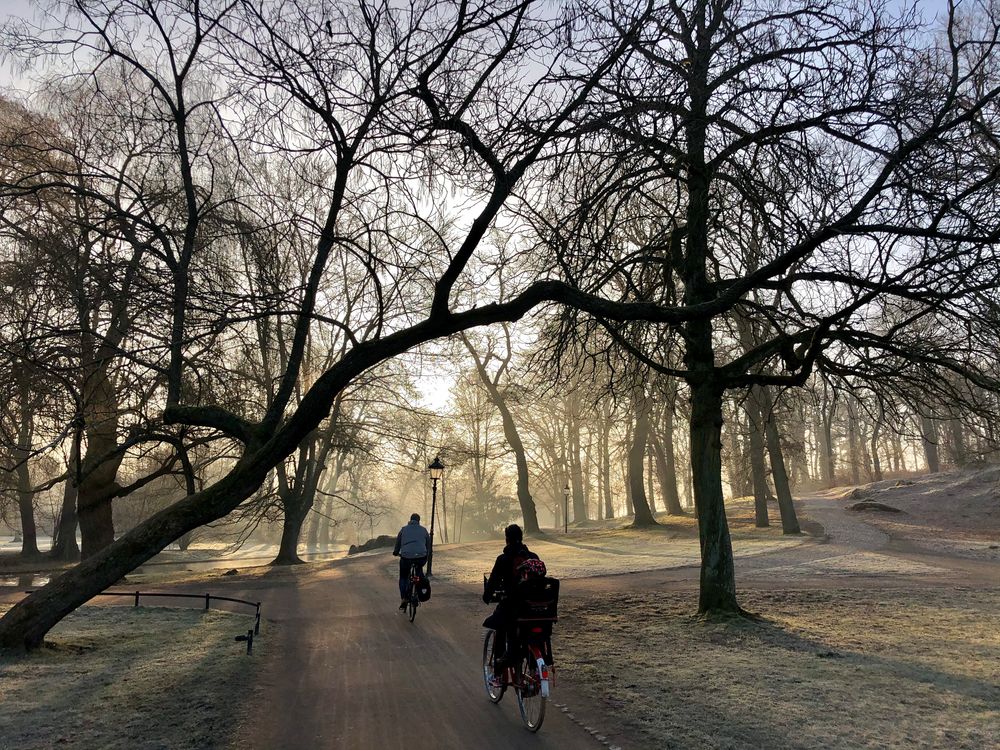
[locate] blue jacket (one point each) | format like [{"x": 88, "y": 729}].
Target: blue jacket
[{"x": 412, "y": 541}]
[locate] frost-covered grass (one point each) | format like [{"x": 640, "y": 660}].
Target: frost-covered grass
[
  {"x": 609, "y": 551},
  {"x": 952, "y": 512},
  {"x": 121, "y": 677},
  {"x": 828, "y": 669}
]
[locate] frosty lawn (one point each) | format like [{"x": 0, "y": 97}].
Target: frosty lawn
[
  {"x": 121, "y": 677},
  {"x": 826, "y": 670}
]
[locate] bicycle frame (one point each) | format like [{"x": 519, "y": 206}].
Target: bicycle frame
[{"x": 413, "y": 598}]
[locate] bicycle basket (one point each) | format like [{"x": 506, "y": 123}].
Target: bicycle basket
[{"x": 538, "y": 599}]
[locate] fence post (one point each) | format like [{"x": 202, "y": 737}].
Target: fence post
[
  {"x": 208, "y": 598},
  {"x": 137, "y": 598},
  {"x": 249, "y": 642},
  {"x": 256, "y": 624}
]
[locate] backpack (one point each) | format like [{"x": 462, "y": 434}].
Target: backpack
[
  {"x": 530, "y": 568},
  {"x": 523, "y": 556}
]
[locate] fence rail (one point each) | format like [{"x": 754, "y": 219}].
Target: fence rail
[{"x": 208, "y": 598}]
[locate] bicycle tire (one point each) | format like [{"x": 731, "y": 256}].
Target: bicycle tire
[
  {"x": 530, "y": 701},
  {"x": 493, "y": 691},
  {"x": 414, "y": 602}
]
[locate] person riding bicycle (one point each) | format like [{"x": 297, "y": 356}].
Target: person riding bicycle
[
  {"x": 412, "y": 545},
  {"x": 504, "y": 577}
]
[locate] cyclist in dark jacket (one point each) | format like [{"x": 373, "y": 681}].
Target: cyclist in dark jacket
[
  {"x": 412, "y": 545},
  {"x": 504, "y": 577}
]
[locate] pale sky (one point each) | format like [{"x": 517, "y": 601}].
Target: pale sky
[{"x": 26, "y": 9}]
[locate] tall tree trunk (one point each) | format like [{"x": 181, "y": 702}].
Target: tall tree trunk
[
  {"x": 929, "y": 437},
  {"x": 593, "y": 507},
  {"x": 876, "y": 461},
  {"x": 609, "y": 508},
  {"x": 295, "y": 509},
  {"x": 799, "y": 473},
  {"x": 599, "y": 472},
  {"x": 575, "y": 467},
  {"x": 852, "y": 441},
  {"x": 958, "y": 452},
  {"x": 689, "y": 485},
  {"x": 64, "y": 545},
  {"x": 443, "y": 511},
  {"x": 324, "y": 527},
  {"x": 650, "y": 488},
  {"x": 312, "y": 538},
  {"x": 26, "y": 510},
  {"x": 826, "y": 432},
  {"x": 786, "y": 507},
  {"x": 529, "y": 513},
  {"x": 663, "y": 449},
  {"x": 737, "y": 461},
  {"x": 636, "y": 464},
  {"x": 758, "y": 469},
  {"x": 897, "y": 453},
  {"x": 22, "y": 473},
  {"x": 100, "y": 465},
  {"x": 718, "y": 576}
]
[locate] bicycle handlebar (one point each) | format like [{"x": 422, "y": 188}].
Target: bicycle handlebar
[{"x": 498, "y": 595}]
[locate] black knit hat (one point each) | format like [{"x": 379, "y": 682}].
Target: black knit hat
[{"x": 513, "y": 534}]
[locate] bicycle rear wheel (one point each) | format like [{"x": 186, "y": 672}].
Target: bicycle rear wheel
[
  {"x": 494, "y": 683},
  {"x": 528, "y": 689},
  {"x": 414, "y": 601}
]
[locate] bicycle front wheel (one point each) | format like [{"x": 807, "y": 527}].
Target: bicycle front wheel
[
  {"x": 494, "y": 682},
  {"x": 530, "y": 696}
]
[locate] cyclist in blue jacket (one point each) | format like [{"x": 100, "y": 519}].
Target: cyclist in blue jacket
[{"x": 412, "y": 544}]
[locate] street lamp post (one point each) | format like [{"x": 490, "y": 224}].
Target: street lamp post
[
  {"x": 566, "y": 492},
  {"x": 437, "y": 472}
]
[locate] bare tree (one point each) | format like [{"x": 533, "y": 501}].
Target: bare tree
[{"x": 864, "y": 149}]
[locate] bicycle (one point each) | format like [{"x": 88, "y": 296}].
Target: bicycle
[
  {"x": 532, "y": 674},
  {"x": 413, "y": 599}
]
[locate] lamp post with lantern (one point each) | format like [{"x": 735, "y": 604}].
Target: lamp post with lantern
[{"x": 436, "y": 469}]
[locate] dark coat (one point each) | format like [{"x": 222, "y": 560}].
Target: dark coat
[{"x": 503, "y": 577}]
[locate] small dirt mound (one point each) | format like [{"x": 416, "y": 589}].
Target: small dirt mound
[{"x": 872, "y": 505}]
